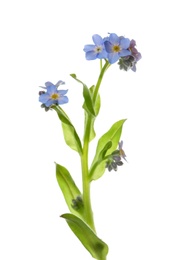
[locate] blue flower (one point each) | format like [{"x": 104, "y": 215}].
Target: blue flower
[
  {"x": 97, "y": 50},
  {"x": 53, "y": 95},
  {"x": 116, "y": 47}
]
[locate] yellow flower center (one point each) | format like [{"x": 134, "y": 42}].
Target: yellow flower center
[
  {"x": 54, "y": 96},
  {"x": 116, "y": 48}
]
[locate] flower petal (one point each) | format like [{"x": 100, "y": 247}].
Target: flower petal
[
  {"x": 97, "y": 39},
  {"x": 113, "y": 38},
  {"x": 62, "y": 92},
  {"x": 102, "y": 55},
  {"x": 124, "y": 43},
  {"x": 44, "y": 98},
  {"x": 113, "y": 57},
  {"x": 48, "y": 83},
  {"x": 132, "y": 43},
  {"x": 124, "y": 53},
  {"x": 89, "y": 47},
  {"x": 138, "y": 56},
  {"x": 50, "y": 102},
  {"x": 60, "y": 82},
  {"x": 120, "y": 145},
  {"x": 134, "y": 68},
  {"x": 62, "y": 100},
  {"x": 108, "y": 46},
  {"x": 91, "y": 55},
  {"x": 51, "y": 89}
]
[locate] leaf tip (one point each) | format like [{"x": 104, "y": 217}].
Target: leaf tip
[
  {"x": 64, "y": 215},
  {"x": 73, "y": 75}
]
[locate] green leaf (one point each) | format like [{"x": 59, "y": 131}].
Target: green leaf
[
  {"x": 97, "y": 102},
  {"x": 103, "y": 152},
  {"x": 92, "y": 131},
  {"x": 68, "y": 188},
  {"x": 88, "y": 103},
  {"x": 98, "y": 170},
  {"x": 106, "y": 145},
  {"x": 97, "y": 248},
  {"x": 97, "y": 108},
  {"x": 70, "y": 135},
  {"x": 99, "y": 165}
]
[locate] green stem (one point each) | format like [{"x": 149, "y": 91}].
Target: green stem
[
  {"x": 101, "y": 65},
  {"x": 88, "y": 214},
  {"x": 95, "y": 94}
]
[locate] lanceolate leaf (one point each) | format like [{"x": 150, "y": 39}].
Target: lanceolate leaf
[
  {"x": 113, "y": 136},
  {"x": 97, "y": 248},
  {"x": 97, "y": 108},
  {"x": 68, "y": 187},
  {"x": 98, "y": 170},
  {"x": 98, "y": 101},
  {"x": 70, "y": 135},
  {"x": 99, "y": 165},
  {"x": 88, "y": 103}
]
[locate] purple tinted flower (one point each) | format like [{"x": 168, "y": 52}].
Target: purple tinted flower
[
  {"x": 53, "y": 95},
  {"x": 116, "y": 47},
  {"x": 134, "y": 53},
  {"x": 121, "y": 151},
  {"x": 96, "y": 50}
]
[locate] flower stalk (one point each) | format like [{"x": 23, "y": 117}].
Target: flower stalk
[{"x": 102, "y": 72}]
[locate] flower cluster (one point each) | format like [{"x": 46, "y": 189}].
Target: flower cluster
[
  {"x": 52, "y": 96},
  {"x": 113, "y": 48},
  {"x": 115, "y": 159}
]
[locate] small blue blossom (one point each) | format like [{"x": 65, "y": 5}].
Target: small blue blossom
[
  {"x": 116, "y": 47},
  {"x": 96, "y": 50},
  {"x": 53, "y": 95}
]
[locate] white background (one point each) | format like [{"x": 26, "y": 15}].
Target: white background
[{"x": 134, "y": 208}]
